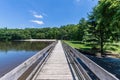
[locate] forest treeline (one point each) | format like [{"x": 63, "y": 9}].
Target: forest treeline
[
  {"x": 68, "y": 32},
  {"x": 102, "y": 25}
]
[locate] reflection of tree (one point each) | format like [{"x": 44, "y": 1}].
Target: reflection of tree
[{"x": 16, "y": 45}]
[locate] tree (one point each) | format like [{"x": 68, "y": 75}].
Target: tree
[
  {"x": 105, "y": 14},
  {"x": 82, "y": 29}
]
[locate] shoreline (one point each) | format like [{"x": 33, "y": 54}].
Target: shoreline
[
  {"x": 107, "y": 54},
  {"x": 42, "y": 40}
]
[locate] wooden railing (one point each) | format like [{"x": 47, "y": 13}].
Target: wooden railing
[
  {"x": 16, "y": 73},
  {"x": 73, "y": 55}
]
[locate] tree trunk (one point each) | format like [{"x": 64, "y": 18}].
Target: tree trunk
[
  {"x": 101, "y": 40},
  {"x": 101, "y": 46}
]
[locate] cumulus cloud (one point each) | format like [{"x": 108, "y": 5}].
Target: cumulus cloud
[
  {"x": 38, "y": 16},
  {"x": 37, "y": 22}
]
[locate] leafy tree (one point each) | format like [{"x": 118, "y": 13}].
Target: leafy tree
[
  {"x": 104, "y": 14},
  {"x": 82, "y": 29}
]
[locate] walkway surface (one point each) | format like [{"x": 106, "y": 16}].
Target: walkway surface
[{"x": 56, "y": 67}]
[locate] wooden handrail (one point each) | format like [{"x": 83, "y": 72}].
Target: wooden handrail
[
  {"x": 101, "y": 73},
  {"x": 78, "y": 69},
  {"x": 19, "y": 70}
]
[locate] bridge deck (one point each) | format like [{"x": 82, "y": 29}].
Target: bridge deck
[{"x": 56, "y": 66}]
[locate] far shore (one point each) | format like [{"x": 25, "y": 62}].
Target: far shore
[{"x": 37, "y": 40}]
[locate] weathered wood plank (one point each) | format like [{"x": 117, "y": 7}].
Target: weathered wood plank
[
  {"x": 56, "y": 66},
  {"x": 101, "y": 73}
]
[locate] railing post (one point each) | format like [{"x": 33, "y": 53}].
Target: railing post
[{"x": 101, "y": 73}]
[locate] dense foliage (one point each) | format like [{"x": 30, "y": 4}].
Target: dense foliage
[
  {"x": 106, "y": 17},
  {"x": 68, "y": 32}
]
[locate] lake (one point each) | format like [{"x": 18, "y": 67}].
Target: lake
[{"x": 14, "y": 53}]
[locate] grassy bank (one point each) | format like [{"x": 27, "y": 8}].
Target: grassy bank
[
  {"x": 110, "y": 48},
  {"x": 113, "y": 47},
  {"x": 78, "y": 45}
]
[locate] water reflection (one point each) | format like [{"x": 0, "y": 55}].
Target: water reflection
[
  {"x": 14, "y": 53},
  {"x": 27, "y": 46}
]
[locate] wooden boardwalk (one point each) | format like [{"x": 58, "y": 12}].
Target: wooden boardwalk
[{"x": 56, "y": 67}]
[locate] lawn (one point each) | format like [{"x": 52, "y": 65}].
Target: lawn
[
  {"x": 114, "y": 48},
  {"x": 78, "y": 45}
]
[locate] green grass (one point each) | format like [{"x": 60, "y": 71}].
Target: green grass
[
  {"x": 109, "y": 47},
  {"x": 113, "y": 47},
  {"x": 78, "y": 45}
]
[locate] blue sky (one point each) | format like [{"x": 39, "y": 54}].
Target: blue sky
[{"x": 43, "y": 13}]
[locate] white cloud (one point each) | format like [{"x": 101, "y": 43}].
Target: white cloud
[
  {"x": 37, "y": 22},
  {"x": 37, "y": 16}
]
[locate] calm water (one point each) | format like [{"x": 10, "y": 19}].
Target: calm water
[{"x": 14, "y": 53}]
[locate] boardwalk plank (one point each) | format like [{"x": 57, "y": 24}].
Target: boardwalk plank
[{"x": 56, "y": 67}]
